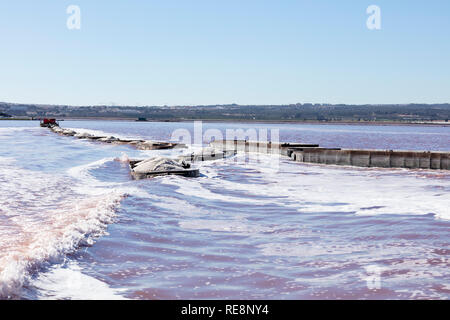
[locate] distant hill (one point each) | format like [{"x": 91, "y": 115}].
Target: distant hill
[
  {"x": 234, "y": 112},
  {"x": 4, "y": 115}
]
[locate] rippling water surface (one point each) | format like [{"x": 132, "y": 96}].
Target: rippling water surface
[{"x": 73, "y": 224}]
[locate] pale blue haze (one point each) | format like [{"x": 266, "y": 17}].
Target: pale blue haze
[{"x": 211, "y": 52}]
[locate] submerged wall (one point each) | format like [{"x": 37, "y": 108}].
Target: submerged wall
[
  {"x": 376, "y": 158},
  {"x": 312, "y": 153}
]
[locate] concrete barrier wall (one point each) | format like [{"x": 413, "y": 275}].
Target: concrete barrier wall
[
  {"x": 361, "y": 158},
  {"x": 376, "y": 158},
  {"x": 445, "y": 161},
  {"x": 247, "y": 146},
  {"x": 262, "y": 147}
]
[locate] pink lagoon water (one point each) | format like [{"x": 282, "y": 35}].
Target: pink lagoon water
[{"x": 74, "y": 225}]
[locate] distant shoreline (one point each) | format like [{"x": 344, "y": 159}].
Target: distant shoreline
[
  {"x": 391, "y": 114},
  {"x": 315, "y": 122}
]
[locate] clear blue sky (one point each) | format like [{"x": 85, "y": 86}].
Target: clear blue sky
[{"x": 138, "y": 52}]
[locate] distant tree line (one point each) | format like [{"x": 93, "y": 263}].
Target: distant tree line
[{"x": 292, "y": 112}]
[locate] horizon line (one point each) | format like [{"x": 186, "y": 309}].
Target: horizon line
[{"x": 224, "y": 104}]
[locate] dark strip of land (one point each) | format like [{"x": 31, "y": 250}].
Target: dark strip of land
[{"x": 314, "y": 113}]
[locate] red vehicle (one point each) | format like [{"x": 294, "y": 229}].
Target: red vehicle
[{"x": 48, "y": 122}]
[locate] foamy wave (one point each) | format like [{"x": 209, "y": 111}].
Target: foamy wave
[
  {"x": 90, "y": 184},
  {"x": 315, "y": 188},
  {"x": 66, "y": 232},
  {"x": 69, "y": 282},
  {"x": 123, "y": 158},
  {"x": 43, "y": 219}
]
